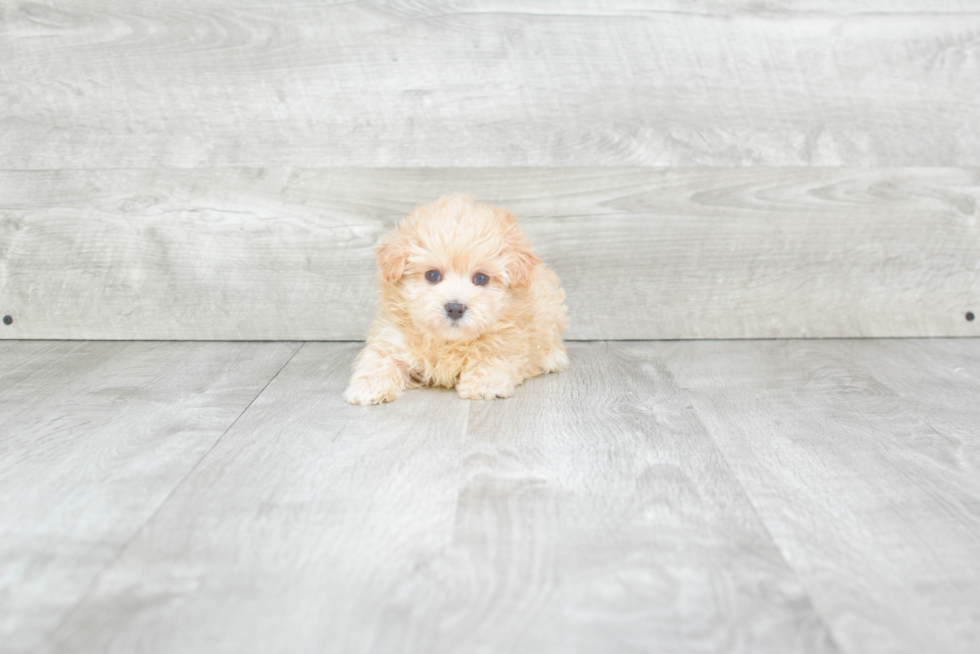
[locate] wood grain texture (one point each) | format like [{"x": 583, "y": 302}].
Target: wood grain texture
[
  {"x": 488, "y": 83},
  {"x": 874, "y": 502},
  {"x": 591, "y": 513},
  {"x": 93, "y": 439},
  {"x": 643, "y": 253},
  {"x": 595, "y": 514},
  {"x": 939, "y": 381}
]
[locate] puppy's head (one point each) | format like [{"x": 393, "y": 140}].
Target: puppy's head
[{"x": 453, "y": 265}]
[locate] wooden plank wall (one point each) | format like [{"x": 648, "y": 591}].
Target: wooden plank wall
[{"x": 209, "y": 169}]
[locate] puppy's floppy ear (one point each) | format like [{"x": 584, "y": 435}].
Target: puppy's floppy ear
[
  {"x": 522, "y": 264},
  {"x": 392, "y": 256}
]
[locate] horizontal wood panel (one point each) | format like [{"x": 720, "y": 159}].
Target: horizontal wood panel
[
  {"x": 488, "y": 83},
  {"x": 643, "y": 253}
]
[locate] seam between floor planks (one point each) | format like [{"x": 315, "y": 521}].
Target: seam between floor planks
[
  {"x": 166, "y": 500},
  {"x": 775, "y": 542},
  {"x": 831, "y": 592},
  {"x": 81, "y": 428},
  {"x": 473, "y": 511},
  {"x": 479, "y": 410},
  {"x": 765, "y": 525}
]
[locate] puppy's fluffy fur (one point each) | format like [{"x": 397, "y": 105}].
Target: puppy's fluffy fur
[{"x": 511, "y": 327}]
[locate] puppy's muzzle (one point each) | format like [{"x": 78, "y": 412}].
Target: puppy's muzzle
[{"x": 455, "y": 310}]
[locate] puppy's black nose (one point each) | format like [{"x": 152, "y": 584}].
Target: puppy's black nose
[{"x": 455, "y": 310}]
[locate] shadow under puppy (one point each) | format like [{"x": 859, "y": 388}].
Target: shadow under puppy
[{"x": 464, "y": 303}]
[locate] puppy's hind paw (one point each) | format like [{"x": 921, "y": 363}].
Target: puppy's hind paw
[
  {"x": 557, "y": 361},
  {"x": 366, "y": 391}
]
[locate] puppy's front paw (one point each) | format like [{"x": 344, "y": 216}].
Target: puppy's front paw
[
  {"x": 371, "y": 390},
  {"x": 485, "y": 386}
]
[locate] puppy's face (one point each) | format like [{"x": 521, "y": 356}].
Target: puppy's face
[
  {"x": 453, "y": 300},
  {"x": 452, "y": 265}
]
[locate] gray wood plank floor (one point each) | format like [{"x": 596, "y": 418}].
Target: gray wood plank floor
[
  {"x": 93, "y": 439},
  {"x": 737, "y": 496},
  {"x": 874, "y": 503}
]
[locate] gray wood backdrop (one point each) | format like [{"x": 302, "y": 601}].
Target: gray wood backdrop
[{"x": 218, "y": 169}]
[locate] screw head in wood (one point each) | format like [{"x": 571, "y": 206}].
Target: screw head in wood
[
  {"x": 969, "y": 316},
  {"x": 7, "y": 320}
]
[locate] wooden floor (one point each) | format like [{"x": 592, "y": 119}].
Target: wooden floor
[{"x": 698, "y": 496}]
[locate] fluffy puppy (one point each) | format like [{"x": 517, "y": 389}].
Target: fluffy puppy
[{"x": 464, "y": 303}]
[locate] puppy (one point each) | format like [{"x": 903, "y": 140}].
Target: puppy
[{"x": 464, "y": 303}]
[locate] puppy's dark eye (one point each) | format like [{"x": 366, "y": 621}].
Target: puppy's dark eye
[
  {"x": 433, "y": 276},
  {"x": 480, "y": 279}
]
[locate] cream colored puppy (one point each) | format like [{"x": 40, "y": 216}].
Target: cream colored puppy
[{"x": 464, "y": 303}]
